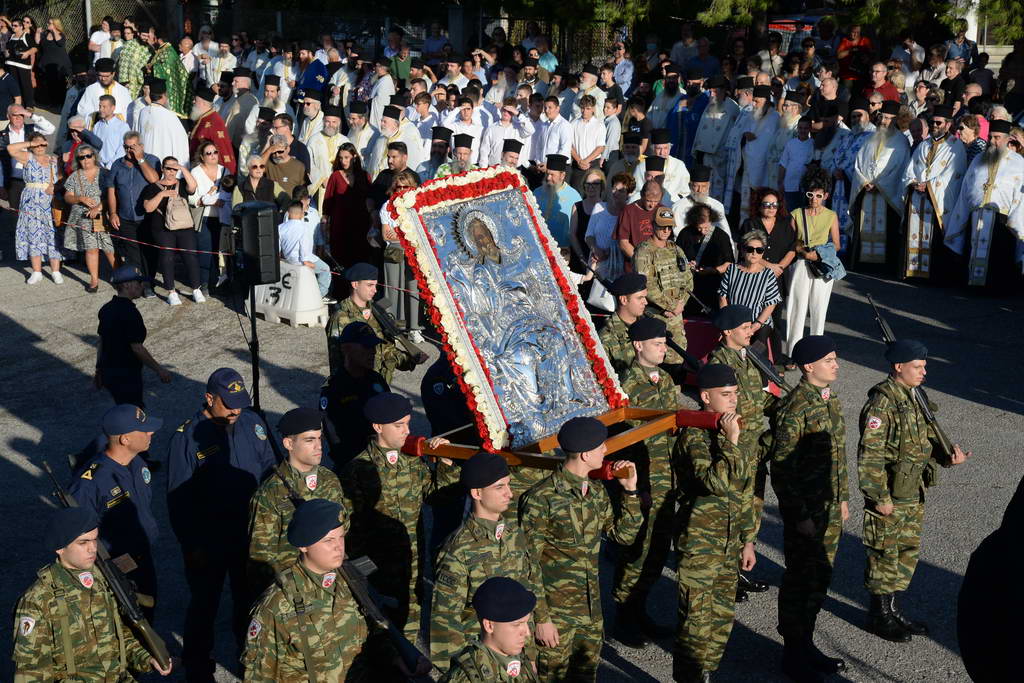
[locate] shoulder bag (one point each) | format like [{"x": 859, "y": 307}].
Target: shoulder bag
[{"x": 177, "y": 213}]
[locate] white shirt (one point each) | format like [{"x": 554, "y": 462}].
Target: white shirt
[
  {"x": 795, "y": 156},
  {"x": 587, "y": 136},
  {"x": 163, "y": 134},
  {"x": 473, "y": 128},
  {"x": 190, "y": 62},
  {"x": 98, "y": 38},
  {"x": 601, "y": 226},
  {"x": 521, "y": 128},
  {"x": 296, "y": 241},
  {"x": 556, "y": 139},
  {"x": 90, "y": 102}
]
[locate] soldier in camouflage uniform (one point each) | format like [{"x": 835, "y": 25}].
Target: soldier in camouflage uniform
[
  {"x": 502, "y": 606},
  {"x": 669, "y": 279},
  {"x": 808, "y": 467},
  {"x": 754, "y": 404},
  {"x": 67, "y": 625},
  {"x": 385, "y": 491},
  {"x": 273, "y": 505},
  {"x": 564, "y": 517},
  {"x": 630, "y": 292},
  {"x": 716, "y": 527},
  {"x": 486, "y": 545},
  {"x": 356, "y": 308},
  {"x": 639, "y": 566},
  {"x": 307, "y": 626},
  {"x": 897, "y": 461}
]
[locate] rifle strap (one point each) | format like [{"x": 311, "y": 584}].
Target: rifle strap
[
  {"x": 300, "y": 614},
  {"x": 61, "y": 604}
]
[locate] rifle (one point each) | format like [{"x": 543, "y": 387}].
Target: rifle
[
  {"x": 917, "y": 393},
  {"x": 767, "y": 369},
  {"x": 119, "y": 586},
  {"x": 390, "y": 327},
  {"x": 354, "y": 572}
]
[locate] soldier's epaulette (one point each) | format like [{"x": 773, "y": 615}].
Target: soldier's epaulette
[
  {"x": 89, "y": 470},
  {"x": 184, "y": 424}
]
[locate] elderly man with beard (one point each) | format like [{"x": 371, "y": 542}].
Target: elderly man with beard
[
  {"x": 323, "y": 148},
  {"x": 877, "y": 192},
  {"x": 311, "y": 74},
  {"x": 933, "y": 182},
  {"x": 861, "y": 129},
  {"x": 360, "y": 132},
  {"x": 589, "y": 86},
  {"x": 236, "y": 109},
  {"x": 273, "y": 99},
  {"x": 208, "y": 125},
  {"x": 312, "y": 116},
  {"x": 735, "y": 139},
  {"x": 255, "y": 142},
  {"x": 700, "y": 186},
  {"x": 440, "y": 143},
  {"x": 394, "y": 129},
  {"x": 383, "y": 89},
  {"x": 754, "y": 147},
  {"x": 556, "y": 199},
  {"x": 628, "y": 159},
  {"x": 676, "y": 176},
  {"x": 668, "y": 99},
  {"x": 785, "y": 130},
  {"x": 987, "y": 223},
  {"x": 714, "y": 125}
]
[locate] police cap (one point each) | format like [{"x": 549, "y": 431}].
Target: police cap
[
  {"x": 582, "y": 434},
  {"x": 126, "y": 418},
  {"x": 502, "y": 599},
  {"x": 812, "y": 349},
  {"x": 386, "y": 408},
  {"x": 732, "y": 316},
  {"x": 628, "y": 283},
  {"x": 483, "y": 469},
  {"x": 67, "y": 524},
  {"x": 230, "y": 386},
  {"x": 906, "y": 350},
  {"x": 299, "y": 420},
  {"x": 714, "y": 375},
  {"x": 313, "y": 520},
  {"x": 126, "y": 273}
]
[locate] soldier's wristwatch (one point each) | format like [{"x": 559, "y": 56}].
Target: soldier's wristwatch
[{"x": 634, "y": 492}]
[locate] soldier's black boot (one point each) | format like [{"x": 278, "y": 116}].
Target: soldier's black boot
[
  {"x": 881, "y": 621},
  {"x": 741, "y": 595},
  {"x": 917, "y": 628},
  {"x": 796, "y": 663},
  {"x": 822, "y": 662},
  {"x": 629, "y": 625},
  {"x": 750, "y": 585}
]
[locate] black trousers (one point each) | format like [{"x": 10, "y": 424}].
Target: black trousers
[
  {"x": 24, "y": 77},
  {"x": 177, "y": 239},
  {"x": 124, "y": 385},
  {"x": 205, "y": 571},
  {"x": 130, "y": 251}
]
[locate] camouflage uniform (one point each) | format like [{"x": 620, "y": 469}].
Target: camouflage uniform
[
  {"x": 615, "y": 338},
  {"x": 896, "y": 464},
  {"x": 478, "y": 550},
  {"x": 477, "y": 663},
  {"x": 271, "y": 510},
  {"x": 58, "y": 611},
  {"x": 302, "y": 631},
  {"x": 385, "y": 499},
  {"x": 640, "y": 565},
  {"x": 809, "y": 477},
  {"x": 389, "y": 357},
  {"x": 564, "y": 516},
  {"x": 753, "y": 404},
  {"x": 667, "y": 285},
  {"x": 715, "y": 521}
]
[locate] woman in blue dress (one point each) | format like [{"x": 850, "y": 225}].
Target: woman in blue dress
[{"x": 34, "y": 236}]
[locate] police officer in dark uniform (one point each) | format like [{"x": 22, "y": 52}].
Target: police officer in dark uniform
[
  {"x": 443, "y": 400},
  {"x": 346, "y": 392},
  {"x": 121, "y": 353},
  {"x": 116, "y": 485},
  {"x": 215, "y": 462}
]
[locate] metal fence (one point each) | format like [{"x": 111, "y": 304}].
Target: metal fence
[{"x": 72, "y": 15}]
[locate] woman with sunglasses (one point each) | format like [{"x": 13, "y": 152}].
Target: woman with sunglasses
[
  {"x": 579, "y": 219},
  {"x": 82, "y": 194},
  {"x": 969, "y": 132},
  {"x": 752, "y": 284},
  {"x": 208, "y": 172},
  {"x": 814, "y": 225},
  {"x": 34, "y": 235},
  {"x": 765, "y": 207},
  {"x": 18, "y": 52},
  {"x": 154, "y": 201}
]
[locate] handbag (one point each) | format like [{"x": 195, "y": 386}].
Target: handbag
[
  {"x": 177, "y": 214},
  {"x": 57, "y": 205},
  {"x": 97, "y": 223}
]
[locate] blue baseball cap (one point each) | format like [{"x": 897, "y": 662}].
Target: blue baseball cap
[
  {"x": 126, "y": 418},
  {"x": 230, "y": 386},
  {"x": 126, "y": 273}
]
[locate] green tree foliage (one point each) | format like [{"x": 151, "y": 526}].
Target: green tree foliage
[{"x": 740, "y": 12}]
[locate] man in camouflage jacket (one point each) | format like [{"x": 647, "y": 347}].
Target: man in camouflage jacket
[
  {"x": 630, "y": 292},
  {"x": 669, "y": 279}
]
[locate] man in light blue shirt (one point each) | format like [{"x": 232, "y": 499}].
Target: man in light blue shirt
[
  {"x": 546, "y": 59},
  {"x": 110, "y": 129},
  {"x": 295, "y": 239},
  {"x": 556, "y": 199},
  {"x": 623, "y": 67}
]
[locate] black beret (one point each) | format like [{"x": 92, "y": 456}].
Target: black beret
[
  {"x": 745, "y": 83},
  {"x": 333, "y": 110},
  {"x": 660, "y": 136},
  {"x": 272, "y": 79},
  {"x": 858, "y": 102},
  {"x": 357, "y": 108},
  {"x": 502, "y": 599},
  {"x": 732, "y": 316},
  {"x": 582, "y": 434},
  {"x": 299, "y": 420},
  {"x": 361, "y": 271},
  {"x": 646, "y": 328},
  {"x": 204, "y": 93},
  {"x": 628, "y": 283},
  {"x": 714, "y": 375},
  {"x": 104, "y": 65},
  {"x": 943, "y": 110},
  {"x": 67, "y": 524},
  {"x": 483, "y": 469},
  {"x": 441, "y": 133},
  {"x": 764, "y": 91},
  {"x": 700, "y": 174},
  {"x": 557, "y": 162},
  {"x": 1000, "y": 126},
  {"x": 890, "y": 107},
  {"x": 906, "y": 350},
  {"x": 464, "y": 140},
  {"x": 716, "y": 82},
  {"x": 512, "y": 145},
  {"x": 654, "y": 163},
  {"x": 386, "y": 408},
  {"x": 812, "y": 349},
  {"x": 313, "y": 520},
  {"x": 392, "y": 112}
]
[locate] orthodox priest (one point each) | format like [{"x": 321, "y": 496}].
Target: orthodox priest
[
  {"x": 861, "y": 130},
  {"x": 210, "y": 126},
  {"x": 734, "y": 140},
  {"x": 785, "y": 130},
  {"x": 758, "y": 137},
  {"x": 715, "y": 123},
  {"x": 877, "y": 191},
  {"x": 933, "y": 180},
  {"x": 987, "y": 222},
  {"x": 166, "y": 65}
]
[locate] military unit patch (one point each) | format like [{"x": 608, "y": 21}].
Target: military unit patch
[
  {"x": 874, "y": 422},
  {"x": 499, "y": 531},
  {"x": 261, "y": 433},
  {"x": 392, "y": 457},
  {"x": 328, "y": 579},
  {"x": 826, "y": 393},
  {"x": 86, "y": 579},
  {"x": 26, "y": 625},
  {"x": 513, "y": 668},
  {"x": 147, "y": 476},
  {"x": 311, "y": 482},
  {"x": 254, "y": 629}
]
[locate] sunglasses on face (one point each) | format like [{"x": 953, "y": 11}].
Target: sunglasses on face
[
  {"x": 170, "y": 168},
  {"x": 596, "y": 183},
  {"x": 753, "y": 250},
  {"x": 84, "y": 156},
  {"x": 815, "y": 195},
  {"x": 210, "y": 153},
  {"x": 769, "y": 205},
  {"x": 255, "y": 166}
]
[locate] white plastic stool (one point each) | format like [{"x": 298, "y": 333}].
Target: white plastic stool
[{"x": 294, "y": 300}]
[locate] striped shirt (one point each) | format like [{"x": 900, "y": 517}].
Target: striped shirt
[{"x": 756, "y": 291}]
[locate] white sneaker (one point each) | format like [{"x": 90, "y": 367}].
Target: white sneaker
[
  {"x": 197, "y": 296},
  {"x": 34, "y": 278},
  {"x": 58, "y": 279},
  {"x": 221, "y": 279},
  {"x": 173, "y": 299}
]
